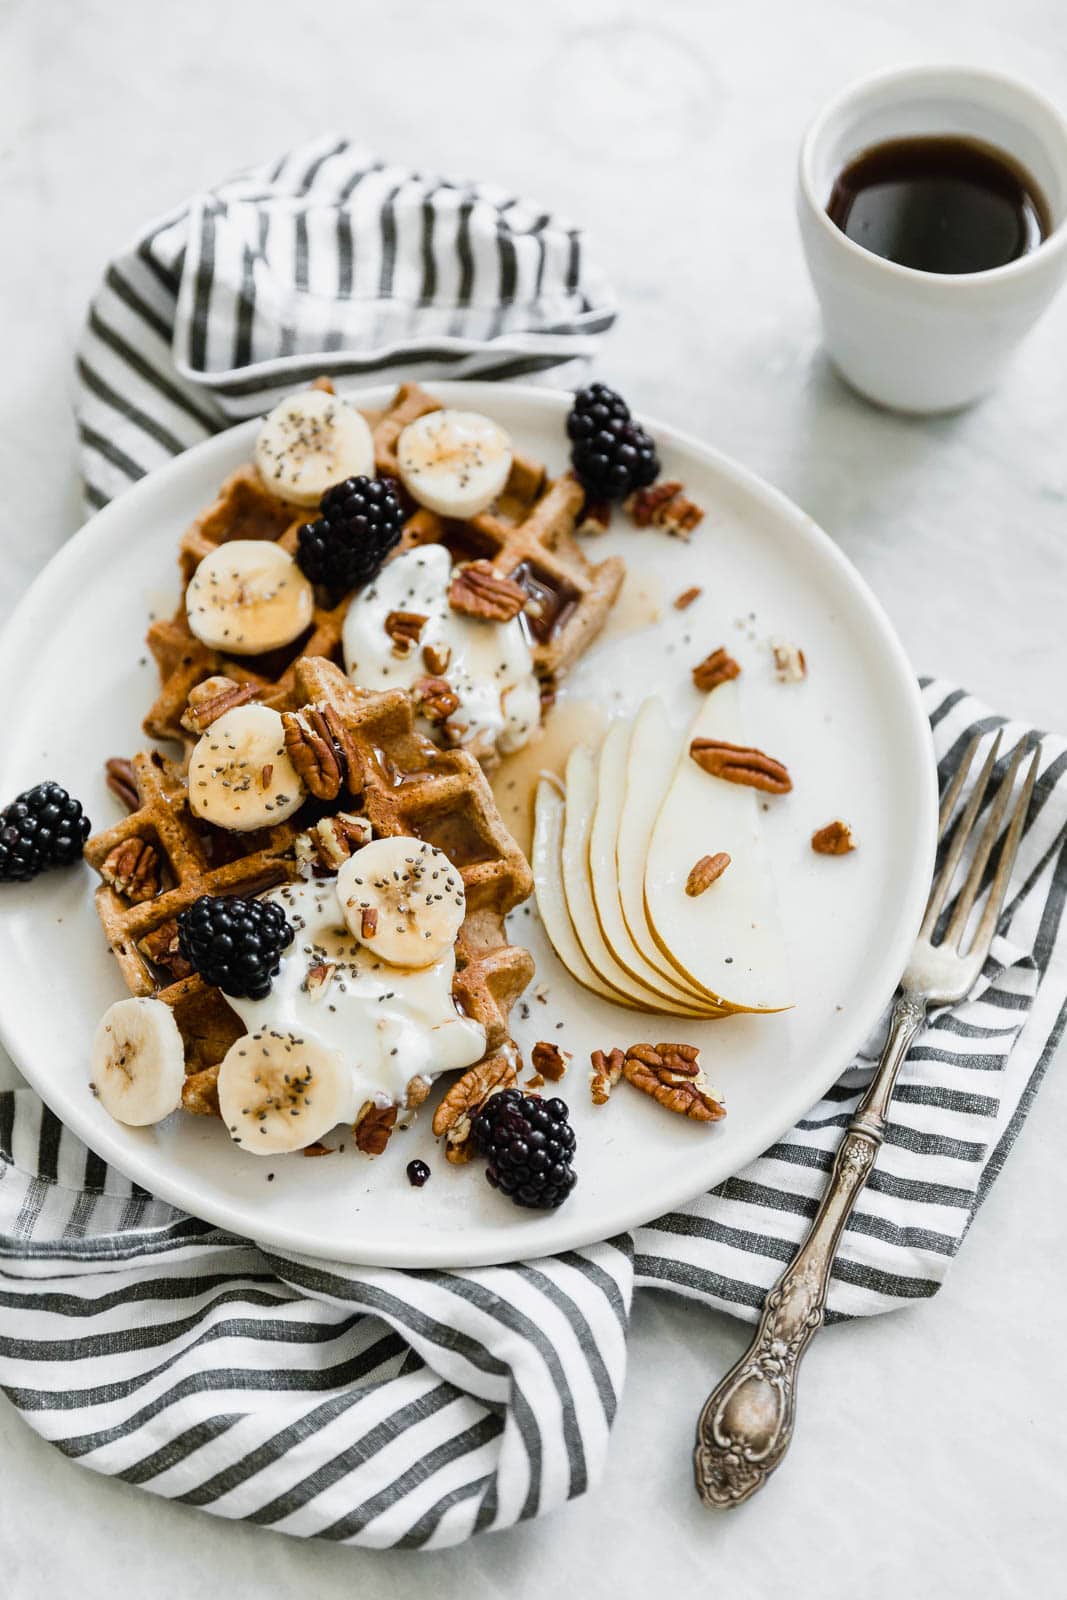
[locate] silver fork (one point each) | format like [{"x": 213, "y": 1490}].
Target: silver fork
[{"x": 747, "y": 1421}]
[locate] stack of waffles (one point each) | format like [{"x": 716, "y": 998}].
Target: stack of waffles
[{"x": 161, "y": 857}]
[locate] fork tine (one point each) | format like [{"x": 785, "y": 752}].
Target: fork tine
[
  {"x": 962, "y": 909},
  {"x": 983, "y": 934},
  {"x": 959, "y": 778},
  {"x": 943, "y": 881}
]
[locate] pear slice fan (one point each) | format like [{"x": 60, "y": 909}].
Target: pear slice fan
[{"x": 611, "y": 857}]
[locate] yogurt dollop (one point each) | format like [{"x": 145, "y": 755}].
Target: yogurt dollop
[
  {"x": 389, "y": 1024},
  {"x": 490, "y": 667}
]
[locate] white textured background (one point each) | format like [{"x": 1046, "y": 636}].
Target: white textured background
[{"x": 928, "y": 1461}]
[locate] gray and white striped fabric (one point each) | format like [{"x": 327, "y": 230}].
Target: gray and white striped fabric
[
  {"x": 327, "y": 260},
  {"x": 382, "y": 1407}
]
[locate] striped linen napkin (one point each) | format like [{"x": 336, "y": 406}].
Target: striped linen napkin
[{"x": 417, "y": 1408}]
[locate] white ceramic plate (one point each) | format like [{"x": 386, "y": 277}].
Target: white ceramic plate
[{"x": 74, "y": 684}]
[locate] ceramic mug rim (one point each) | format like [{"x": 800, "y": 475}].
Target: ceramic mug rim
[{"x": 939, "y": 282}]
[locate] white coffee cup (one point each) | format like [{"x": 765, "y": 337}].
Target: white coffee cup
[{"x": 928, "y": 341}]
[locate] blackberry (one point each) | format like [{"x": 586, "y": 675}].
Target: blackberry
[
  {"x": 529, "y": 1145},
  {"x": 235, "y": 944},
  {"x": 611, "y": 454},
  {"x": 361, "y": 521},
  {"x": 42, "y": 828}
]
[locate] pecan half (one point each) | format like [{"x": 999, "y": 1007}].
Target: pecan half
[
  {"x": 405, "y": 630},
  {"x": 330, "y": 842},
  {"x": 436, "y": 658},
  {"x": 671, "y": 1074},
  {"x": 717, "y": 668},
  {"x": 789, "y": 662},
  {"x": 453, "y": 1117},
  {"x": 665, "y": 505},
  {"x": 373, "y": 1126},
  {"x": 477, "y": 591},
  {"x": 161, "y": 947},
  {"x": 549, "y": 1060},
  {"x": 705, "y": 871},
  {"x": 122, "y": 781},
  {"x": 312, "y": 751},
  {"x": 739, "y": 763},
  {"x": 209, "y": 700},
  {"x": 435, "y": 698},
  {"x": 683, "y": 601},
  {"x": 607, "y": 1070},
  {"x": 833, "y": 840},
  {"x": 132, "y": 868}
]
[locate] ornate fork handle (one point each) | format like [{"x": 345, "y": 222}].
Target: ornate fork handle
[{"x": 747, "y": 1421}]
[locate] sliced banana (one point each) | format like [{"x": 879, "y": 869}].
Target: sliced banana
[
  {"x": 138, "y": 1062},
  {"x": 279, "y": 1091},
  {"x": 240, "y": 775},
  {"x": 454, "y": 462},
  {"x": 248, "y": 596},
  {"x": 403, "y": 899},
  {"x": 310, "y": 441}
]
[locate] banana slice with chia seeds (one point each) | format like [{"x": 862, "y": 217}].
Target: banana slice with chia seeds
[
  {"x": 248, "y": 596},
  {"x": 137, "y": 1061},
  {"x": 280, "y": 1092},
  {"x": 403, "y": 899},
  {"x": 310, "y": 441},
  {"x": 454, "y": 462},
  {"x": 240, "y": 775}
]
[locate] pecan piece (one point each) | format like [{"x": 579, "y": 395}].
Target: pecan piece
[
  {"x": 132, "y": 868},
  {"x": 549, "y": 1060},
  {"x": 436, "y": 657},
  {"x": 330, "y": 842},
  {"x": 311, "y": 749},
  {"x": 789, "y": 662},
  {"x": 368, "y": 922},
  {"x": 670, "y": 1073},
  {"x": 607, "y": 1070},
  {"x": 317, "y": 1149},
  {"x": 666, "y": 505},
  {"x": 162, "y": 949},
  {"x": 718, "y": 667},
  {"x": 435, "y": 698},
  {"x": 833, "y": 840},
  {"x": 454, "y": 1115},
  {"x": 417, "y": 1090},
  {"x": 405, "y": 630},
  {"x": 122, "y": 781},
  {"x": 595, "y": 517},
  {"x": 373, "y": 1126},
  {"x": 683, "y": 601},
  {"x": 705, "y": 871},
  {"x": 477, "y": 591},
  {"x": 209, "y": 700},
  {"x": 739, "y": 763},
  {"x": 324, "y": 383}
]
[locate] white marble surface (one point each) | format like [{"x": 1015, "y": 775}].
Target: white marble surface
[{"x": 928, "y": 1458}]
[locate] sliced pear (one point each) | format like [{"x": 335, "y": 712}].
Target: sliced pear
[
  {"x": 727, "y": 940},
  {"x": 604, "y": 875},
  {"x": 574, "y": 860},
  {"x": 551, "y": 900},
  {"x": 650, "y": 764}
]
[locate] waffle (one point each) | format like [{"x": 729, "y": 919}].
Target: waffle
[
  {"x": 399, "y": 780},
  {"x": 528, "y": 535}
]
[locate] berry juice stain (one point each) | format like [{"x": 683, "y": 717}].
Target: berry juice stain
[{"x": 940, "y": 204}]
